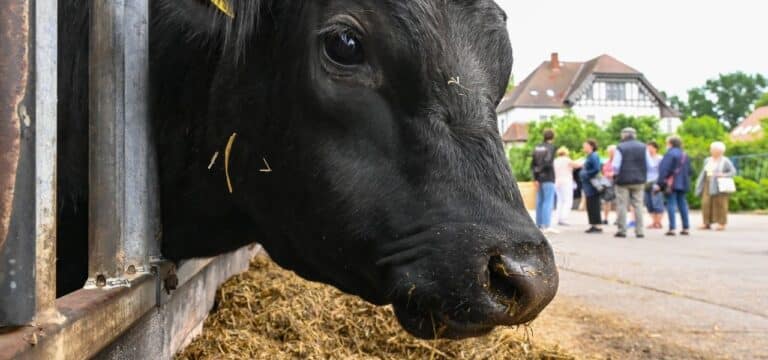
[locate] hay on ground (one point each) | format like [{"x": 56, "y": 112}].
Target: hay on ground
[{"x": 270, "y": 313}]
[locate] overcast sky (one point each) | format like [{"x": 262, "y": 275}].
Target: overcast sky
[{"x": 676, "y": 44}]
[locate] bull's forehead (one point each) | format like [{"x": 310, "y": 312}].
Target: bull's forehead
[
  {"x": 450, "y": 35},
  {"x": 461, "y": 49}
]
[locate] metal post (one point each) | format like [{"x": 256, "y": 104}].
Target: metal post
[
  {"x": 123, "y": 197},
  {"x": 28, "y": 51},
  {"x": 46, "y": 87}
]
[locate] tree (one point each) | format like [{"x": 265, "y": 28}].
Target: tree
[
  {"x": 705, "y": 127},
  {"x": 698, "y": 133},
  {"x": 647, "y": 127},
  {"x": 570, "y": 132},
  {"x": 730, "y": 97},
  {"x": 762, "y": 101}
]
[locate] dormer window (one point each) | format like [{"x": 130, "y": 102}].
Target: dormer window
[
  {"x": 534, "y": 93},
  {"x": 615, "y": 91}
]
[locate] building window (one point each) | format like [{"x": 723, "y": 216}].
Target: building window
[
  {"x": 588, "y": 95},
  {"x": 615, "y": 91},
  {"x": 543, "y": 117}
]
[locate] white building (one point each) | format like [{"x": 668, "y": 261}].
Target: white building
[{"x": 594, "y": 90}]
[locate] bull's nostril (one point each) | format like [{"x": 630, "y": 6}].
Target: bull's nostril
[{"x": 510, "y": 282}]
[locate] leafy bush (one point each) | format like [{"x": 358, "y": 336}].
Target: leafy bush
[
  {"x": 520, "y": 163},
  {"x": 750, "y": 195}
]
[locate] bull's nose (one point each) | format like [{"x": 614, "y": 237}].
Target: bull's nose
[{"x": 524, "y": 289}]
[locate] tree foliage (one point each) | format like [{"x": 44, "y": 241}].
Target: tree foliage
[
  {"x": 570, "y": 132},
  {"x": 729, "y": 97},
  {"x": 698, "y": 133},
  {"x": 647, "y": 127},
  {"x": 762, "y": 101}
]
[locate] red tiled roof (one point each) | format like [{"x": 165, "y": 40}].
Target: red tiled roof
[
  {"x": 552, "y": 85},
  {"x": 751, "y": 128},
  {"x": 515, "y": 133}
]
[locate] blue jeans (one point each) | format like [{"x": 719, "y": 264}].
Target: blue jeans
[
  {"x": 674, "y": 201},
  {"x": 545, "y": 202}
]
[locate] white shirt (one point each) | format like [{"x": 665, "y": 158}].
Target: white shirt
[{"x": 563, "y": 170}]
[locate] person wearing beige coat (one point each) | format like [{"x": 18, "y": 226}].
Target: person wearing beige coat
[{"x": 714, "y": 202}]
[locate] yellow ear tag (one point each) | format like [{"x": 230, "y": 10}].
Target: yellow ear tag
[{"x": 224, "y": 6}]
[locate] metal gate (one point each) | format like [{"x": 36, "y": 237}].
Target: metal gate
[{"x": 126, "y": 278}]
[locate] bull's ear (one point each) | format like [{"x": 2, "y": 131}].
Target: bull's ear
[{"x": 229, "y": 22}]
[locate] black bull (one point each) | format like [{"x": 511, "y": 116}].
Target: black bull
[{"x": 376, "y": 119}]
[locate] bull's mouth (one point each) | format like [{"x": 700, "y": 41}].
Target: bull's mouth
[
  {"x": 509, "y": 293},
  {"x": 436, "y": 325}
]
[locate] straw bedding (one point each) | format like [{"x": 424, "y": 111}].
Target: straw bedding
[{"x": 270, "y": 313}]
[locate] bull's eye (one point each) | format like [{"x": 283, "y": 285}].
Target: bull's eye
[{"x": 344, "y": 48}]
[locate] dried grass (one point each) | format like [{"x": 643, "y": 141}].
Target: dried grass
[{"x": 270, "y": 313}]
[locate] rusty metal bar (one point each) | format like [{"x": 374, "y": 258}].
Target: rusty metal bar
[
  {"x": 123, "y": 224},
  {"x": 17, "y": 246},
  {"x": 28, "y": 44}
]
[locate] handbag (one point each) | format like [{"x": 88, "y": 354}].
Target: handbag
[
  {"x": 597, "y": 183},
  {"x": 726, "y": 185}
]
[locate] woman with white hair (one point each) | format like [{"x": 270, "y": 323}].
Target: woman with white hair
[
  {"x": 564, "y": 184},
  {"x": 714, "y": 185}
]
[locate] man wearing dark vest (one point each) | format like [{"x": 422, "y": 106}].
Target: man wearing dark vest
[{"x": 630, "y": 166}]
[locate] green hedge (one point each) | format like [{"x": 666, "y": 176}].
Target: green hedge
[{"x": 750, "y": 195}]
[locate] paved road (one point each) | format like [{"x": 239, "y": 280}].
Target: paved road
[{"x": 708, "y": 291}]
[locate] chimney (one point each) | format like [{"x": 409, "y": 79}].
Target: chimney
[{"x": 554, "y": 61}]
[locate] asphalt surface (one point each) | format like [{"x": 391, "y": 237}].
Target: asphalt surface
[{"x": 707, "y": 291}]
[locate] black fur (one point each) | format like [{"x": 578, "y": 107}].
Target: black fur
[{"x": 388, "y": 179}]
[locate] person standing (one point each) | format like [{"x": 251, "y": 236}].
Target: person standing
[
  {"x": 630, "y": 172},
  {"x": 608, "y": 201},
  {"x": 675, "y": 180},
  {"x": 714, "y": 202},
  {"x": 654, "y": 201},
  {"x": 589, "y": 171},
  {"x": 542, "y": 167},
  {"x": 564, "y": 184}
]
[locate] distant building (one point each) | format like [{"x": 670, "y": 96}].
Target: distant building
[
  {"x": 595, "y": 90},
  {"x": 515, "y": 135},
  {"x": 751, "y": 128}
]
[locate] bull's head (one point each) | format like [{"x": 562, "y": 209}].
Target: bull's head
[{"x": 388, "y": 178}]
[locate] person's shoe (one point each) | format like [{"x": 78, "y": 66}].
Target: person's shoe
[
  {"x": 631, "y": 224},
  {"x": 640, "y": 236},
  {"x": 685, "y": 232},
  {"x": 561, "y": 223},
  {"x": 594, "y": 230},
  {"x": 550, "y": 231},
  {"x": 620, "y": 235},
  {"x": 720, "y": 228},
  {"x": 705, "y": 227},
  {"x": 605, "y": 222},
  {"x": 671, "y": 233}
]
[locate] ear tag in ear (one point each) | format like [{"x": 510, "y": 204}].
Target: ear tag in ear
[{"x": 224, "y": 6}]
